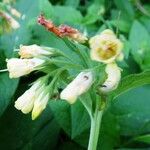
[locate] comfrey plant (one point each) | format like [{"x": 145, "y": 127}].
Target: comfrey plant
[{"x": 94, "y": 72}]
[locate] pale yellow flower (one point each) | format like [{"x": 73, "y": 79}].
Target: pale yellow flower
[
  {"x": 105, "y": 47},
  {"x": 77, "y": 87},
  {"x": 19, "y": 67},
  {"x": 113, "y": 78},
  {"x": 39, "y": 105},
  {"x": 26, "y": 101},
  {"x": 32, "y": 51}
]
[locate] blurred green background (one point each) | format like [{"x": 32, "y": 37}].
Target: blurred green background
[{"x": 126, "y": 122}]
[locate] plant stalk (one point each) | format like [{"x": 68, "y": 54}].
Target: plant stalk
[{"x": 95, "y": 129}]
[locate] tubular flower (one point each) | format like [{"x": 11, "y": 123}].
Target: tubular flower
[
  {"x": 105, "y": 47},
  {"x": 77, "y": 87},
  {"x": 26, "y": 101},
  {"x": 19, "y": 67},
  {"x": 39, "y": 105},
  {"x": 113, "y": 78},
  {"x": 32, "y": 51}
]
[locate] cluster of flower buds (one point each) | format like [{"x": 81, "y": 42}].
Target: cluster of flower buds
[
  {"x": 35, "y": 99},
  {"x": 77, "y": 87},
  {"x": 62, "y": 30},
  {"x": 107, "y": 48},
  {"x": 28, "y": 60}
]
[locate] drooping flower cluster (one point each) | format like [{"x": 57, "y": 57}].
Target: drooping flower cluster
[
  {"x": 105, "y": 48},
  {"x": 36, "y": 98}
]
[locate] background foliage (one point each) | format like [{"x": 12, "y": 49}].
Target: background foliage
[{"x": 126, "y": 122}]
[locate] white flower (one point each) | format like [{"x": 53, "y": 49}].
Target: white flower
[
  {"x": 39, "y": 105},
  {"x": 113, "y": 78},
  {"x": 19, "y": 67},
  {"x": 32, "y": 51},
  {"x": 26, "y": 101},
  {"x": 77, "y": 87},
  {"x": 105, "y": 47}
]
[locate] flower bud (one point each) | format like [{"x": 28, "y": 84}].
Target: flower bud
[
  {"x": 77, "y": 87},
  {"x": 72, "y": 33},
  {"x": 105, "y": 47},
  {"x": 113, "y": 78},
  {"x": 19, "y": 67},
  {"x": 79, "y": 37},
  {"x": 39, "y": 105},
  {"x": 26, "y": 101},
  {"x": 32, "y": 51}
]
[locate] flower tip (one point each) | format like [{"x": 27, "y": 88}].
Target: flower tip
[
  {"x": 67, "y": 97},
  {"x": 36, "y": 113}
]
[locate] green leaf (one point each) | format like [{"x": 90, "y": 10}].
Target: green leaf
[
  {"x": 126, "y": 8},
  {"x": 132, "y": 112},
  {"x": 18, "y": 131},
  {"x": 62, "y": 113},
  {"x": 93, "y": 14},
  {"x": 70, "y": 118},
  {"x": 122, "y": 25},
  {"x": 46, "y": 8},
  {"x": 132, "y": 81},
  {"x": 140, "y": 44},
  {"x": 7, "y": 89},
  {"x": 65, "y": 14},
  {"x": 72, "y": 3},
  {"x": 143, "y": 138}
]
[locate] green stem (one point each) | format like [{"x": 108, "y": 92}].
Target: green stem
[{"x": 95, "y": 129}]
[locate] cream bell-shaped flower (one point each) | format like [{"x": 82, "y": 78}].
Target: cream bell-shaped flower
[
  {"x": 32, "y": 51},
  {"x": 105, "y": 47},
  {"x": 26, "y": 101},
  {"x": 77, "y": 87},
  {"x": 39, "y": 105},
  {"x": 113, "y": 77},
  {"x": 19, "y": 67}
]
